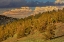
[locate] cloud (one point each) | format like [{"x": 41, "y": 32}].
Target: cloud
[
  {"x": 59, "y": 1},
  {"x": 21, "y": 3},
  {"x": 8, "y": 3},
  {"x": 23, "y": 11},
  {"x": 44, "y": 9},
  {"x": 4, "y": 2},
  {"x": 26, "y": 11}
]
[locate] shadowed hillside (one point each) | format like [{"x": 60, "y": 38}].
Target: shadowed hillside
[
  {"x": 42, "y": 25},
  {"x": 4, "y": 19}
]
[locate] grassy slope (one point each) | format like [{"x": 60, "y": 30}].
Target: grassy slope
[
  {"x": 37, "y": 36},
  {"x": 27, "y": 39},
  {"x": 40, "y": 40}
]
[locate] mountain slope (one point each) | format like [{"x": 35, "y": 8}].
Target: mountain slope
[{"x": 39, "y": 26}]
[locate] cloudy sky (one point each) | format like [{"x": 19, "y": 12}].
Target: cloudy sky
[
  {"x": 42, "y": 0},
  {"x": 27, "y": 11},
  {"x": 32, "y": 3},
  {"x": 45, "y": 5}
]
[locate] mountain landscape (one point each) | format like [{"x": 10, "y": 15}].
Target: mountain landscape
[
  {"x": 37, "y": 28},
  {"x": 31, "y": 20}
]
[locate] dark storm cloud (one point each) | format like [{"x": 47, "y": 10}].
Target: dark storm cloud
[
  {"x": 20, "y": 3},
  {"x": 12, "y": 3},
  {"x": 4, "y": 2}
]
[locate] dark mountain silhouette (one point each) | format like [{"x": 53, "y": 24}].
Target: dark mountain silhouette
[{"x": 5, "y": 19}]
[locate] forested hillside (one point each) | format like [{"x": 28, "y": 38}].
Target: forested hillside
[{"x": 42, "y": 23}]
